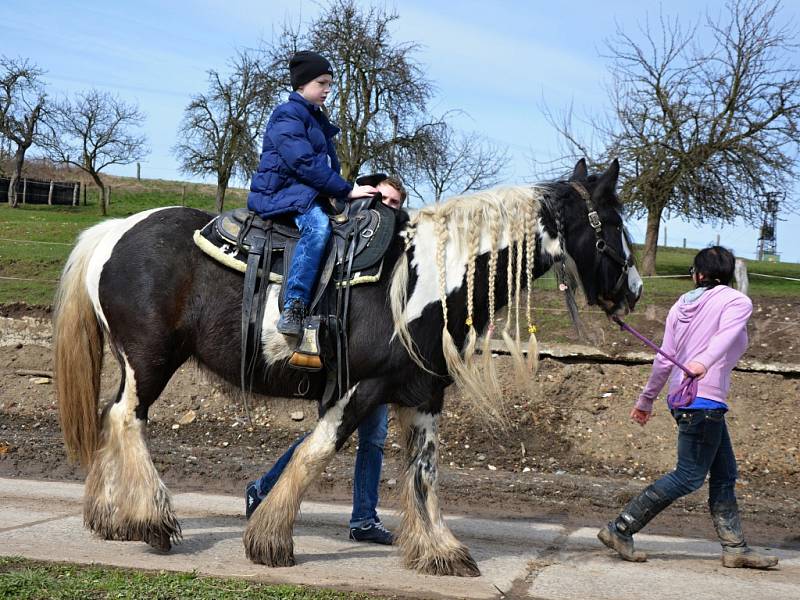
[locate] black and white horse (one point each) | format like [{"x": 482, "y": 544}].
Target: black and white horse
[{"x": 141, "y": 283}]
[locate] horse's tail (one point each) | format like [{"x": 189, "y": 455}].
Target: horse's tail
[{"x": 78, "y": 349}]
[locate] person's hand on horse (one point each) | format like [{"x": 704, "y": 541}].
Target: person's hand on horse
[
  {"x": 640, "y": 416},
  {"x": 362, "y": 191},
  {"x": 698, "y": 369}
]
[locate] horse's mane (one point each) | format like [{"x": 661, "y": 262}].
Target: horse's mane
[{"x": 468, "y": 226}]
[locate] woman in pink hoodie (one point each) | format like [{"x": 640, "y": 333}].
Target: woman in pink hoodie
[{"x": 706, "y": 330}]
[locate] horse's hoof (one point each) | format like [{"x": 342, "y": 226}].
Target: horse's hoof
[
  {"x": 271, "y": 554},
  {"x": 458, "y": 563},
  {"x": 160, "y": 540}
]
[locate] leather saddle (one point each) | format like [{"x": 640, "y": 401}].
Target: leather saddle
[{"x": 369, "y": 225}]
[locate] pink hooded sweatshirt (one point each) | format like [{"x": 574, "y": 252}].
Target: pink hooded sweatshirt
[{"x": 710, "y": 329}]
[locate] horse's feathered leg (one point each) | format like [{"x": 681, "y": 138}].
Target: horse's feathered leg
[
  {"x": 268, "y": 537},
  {"x": 125, "y": 498},
  {"x": 426, "y": 542}
]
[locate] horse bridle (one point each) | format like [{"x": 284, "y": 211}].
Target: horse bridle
[{"x": 603, "y": 249}]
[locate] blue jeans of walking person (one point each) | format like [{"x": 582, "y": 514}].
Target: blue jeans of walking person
[
  {"x": 369, "y": 461},
  {"x": 366, "y": 477},
  {"x": 315, "y": 231},
  {"x": 704, "y": 448}
]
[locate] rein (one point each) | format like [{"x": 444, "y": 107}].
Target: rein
[{"x": 688, "y": 390}]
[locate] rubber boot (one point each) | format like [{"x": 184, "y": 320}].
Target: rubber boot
[
  {"x": 618, "y": 534},
  {"x": 736, "y": 554}
]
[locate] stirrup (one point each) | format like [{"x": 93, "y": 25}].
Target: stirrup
[{"x": 307, "y": 354}]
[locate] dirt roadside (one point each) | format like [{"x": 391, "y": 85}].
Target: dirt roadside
[{"x": 571, "y": 455}]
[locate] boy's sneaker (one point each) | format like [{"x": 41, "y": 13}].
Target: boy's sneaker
[
  {"x": 374, "y": 532},
  {"x": 251, "y": 499}
]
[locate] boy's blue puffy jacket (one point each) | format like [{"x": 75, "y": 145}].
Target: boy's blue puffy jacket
[{"x": 298, "y": 161}]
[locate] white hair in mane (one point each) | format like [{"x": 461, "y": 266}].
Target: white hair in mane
[{"x": 463, "y": 228}]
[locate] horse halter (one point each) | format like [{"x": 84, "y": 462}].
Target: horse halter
[{"x": 600, "y": 244}]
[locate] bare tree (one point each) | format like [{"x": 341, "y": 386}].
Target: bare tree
[
  {"x": 446, "y": 162},
  {"x": 380, "y": 90},
  {"x": 703, "y": 133},
  {"x": 22, "y": 102},
  {"x": 92, "y": 132},
  {"x": 221, "y": 129}
]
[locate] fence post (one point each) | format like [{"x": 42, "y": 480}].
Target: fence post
[
  {"x": 138, "y": 171},
  {"x": 740, "y": 272},
  {"x": 665, "y": 236},
  {"x": 717, "y": 239},
  {"x": 50, "y": 194},
  {"x": 183, "y": 195},
  {"x": 684, "y": 242},
  {"x": 74, "y": 193},
  {"x": 84, "y": 194},
  {"x": 24, "y": 189}
]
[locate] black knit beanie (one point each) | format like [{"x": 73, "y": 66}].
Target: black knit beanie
[{"x": 305, "y": 66}]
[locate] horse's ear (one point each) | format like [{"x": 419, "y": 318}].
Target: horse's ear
[
  {"x": 607, "y": 183},
  {"x": 579, "y": 173}
]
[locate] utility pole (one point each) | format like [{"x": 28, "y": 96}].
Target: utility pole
[{"x": 767, "y": 241}]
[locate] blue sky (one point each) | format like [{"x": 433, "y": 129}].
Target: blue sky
[{"x": 499, "y": 62}]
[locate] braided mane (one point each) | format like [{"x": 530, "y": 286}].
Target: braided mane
[{"x": 485, "y": 222}]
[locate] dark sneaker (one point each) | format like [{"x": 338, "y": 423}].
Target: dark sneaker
[
  {"x": 291, "y": 321},
  {"x": 251, "y": 499},
  {"x": 374, "y": 532}
]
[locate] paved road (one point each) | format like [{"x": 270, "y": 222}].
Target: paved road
[{"x": 518, "y": 558}]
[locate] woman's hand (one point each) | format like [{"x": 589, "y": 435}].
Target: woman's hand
[
  {"x": 362, "y": 191},
  {"x": 640, "y": 416},
  {"x": 698, "y": 369}
]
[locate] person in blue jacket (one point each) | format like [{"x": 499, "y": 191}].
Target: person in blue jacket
[{"x": 297, "y": 171}]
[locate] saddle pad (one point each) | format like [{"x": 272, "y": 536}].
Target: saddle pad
[{"x": 229, "y": 255}]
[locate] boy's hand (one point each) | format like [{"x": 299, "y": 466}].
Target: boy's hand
[
  {"x": 640, "y": 416},
  {"x": 362, "y": 191}
]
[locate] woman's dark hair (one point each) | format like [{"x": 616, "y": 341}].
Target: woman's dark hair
[{"x": 716, "y": 265}]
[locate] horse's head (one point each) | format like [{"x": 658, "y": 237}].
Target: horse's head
[{"x": 596, "y": 239}]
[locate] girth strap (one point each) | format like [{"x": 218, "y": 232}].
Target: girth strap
[{"x": 256, "y": 281}]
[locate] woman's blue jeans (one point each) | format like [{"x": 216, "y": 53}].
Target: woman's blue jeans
[
  {"x": 704, "y": 448},
  {"x": 367, "y": 475},
  {"x": 315, "y": 231}
]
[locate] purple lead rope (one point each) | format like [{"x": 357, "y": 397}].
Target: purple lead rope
[{"x": 687, "y": 392}]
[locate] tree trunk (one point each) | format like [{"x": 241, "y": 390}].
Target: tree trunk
[
  {"x": 101, "y": 200},
  {"x": 19, "y": 159},
  {"x": 651, "y": 240},
  {"x": 222, "y": 187}
]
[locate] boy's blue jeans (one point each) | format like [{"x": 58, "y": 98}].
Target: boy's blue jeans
[
  {"x": 704, "y": 448},
  {"x": 315, "y": 231},
  {"x": 367, "y": 475}
]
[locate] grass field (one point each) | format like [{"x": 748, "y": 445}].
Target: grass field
[
  {"x": 35, "y": 241},
  {"x": 29, "y": 580}
]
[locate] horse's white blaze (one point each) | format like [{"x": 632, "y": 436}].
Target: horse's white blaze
[
  {"x": 110, "y": 231},
  {"x": 550, "y": 247},
  {"x": 635, "y": 283},
  {"x": 275, "y": 345}
]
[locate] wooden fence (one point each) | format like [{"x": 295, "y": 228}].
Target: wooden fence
[{"x": 37, "y": 191}]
